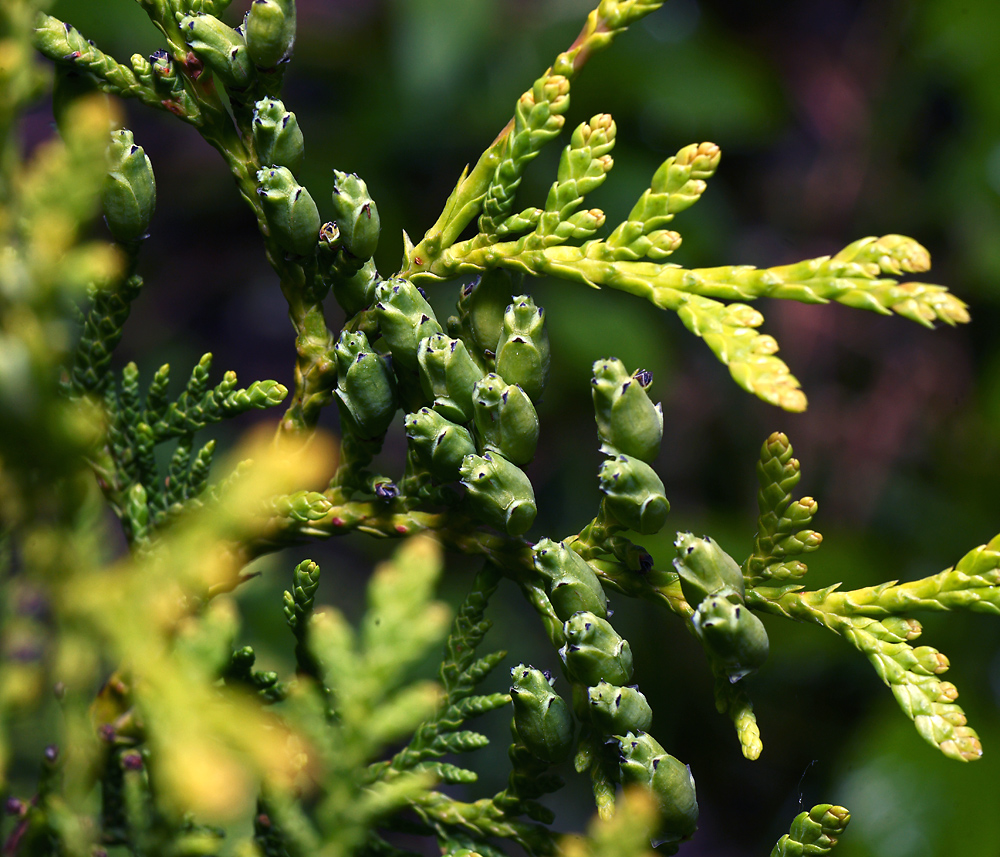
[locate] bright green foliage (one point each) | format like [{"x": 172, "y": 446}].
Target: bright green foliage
[
  {"x": 779, "y": 538},
  {"x": 875, "y": 620},
  {"x": 335, "y": 759},
  {"x": 813, "y": 832}
]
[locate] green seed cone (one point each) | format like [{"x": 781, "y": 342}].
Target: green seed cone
[
  {"x": 404, "y": 317},
  {"x": 270, "y": 31},
  {"x": 594, "y": 651},
  {"x": 481, "y": 307},
  {"x": 356, "y": 292},
  {"x": 618, "y": 710},
  {"x": 704, "y": 568},
  {"x": 128, "y": 195},
  {"x": 366, "y": 389},
  {"x": 542, "y": 718},
  {"x": 440, "y": 445},
  {"x": 277, "y": 136},
  {"x": 220, "y": 47},
  {"x": 505, "y": 420},
  {"x": 627, "y": 420},
  {"x": 356, "y": 215},
  {"x": 570, "y": 582},
  {"x": 499, "y": 492},
  {"x": 645, "y": 762},
  {"x": 522, "y": 354},
  {"x": 634, "y": 494},
  {"x": 447, "y": 376},
  {"x": 291, "y": 213},
  {"x": 731, "y": 633}
]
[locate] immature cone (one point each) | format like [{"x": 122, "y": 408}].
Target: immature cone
[
  {"x": 128, "y": 195},
  {"x": 270, "y": 31},
  {"x": 570, "y": 582},
  {"x": 594, "y": 651},
  {"x": 291, "y": 213},
  {"x": 277, "y": 136},
  {"x": 220, "y": 47},
  {"x": 440, "y": 445},
  {"x": 542, "y": 718},
  {"x": 353, "y": 293},
  {"x": 522, "y": 354},
  {"x": 627, "y": 420},
  {"x": 634, "y": 494},
  {"x": 731, "y": 633},
  {"x": 404, "y": 317},
  {"x": 481, "y": 307},
  {"x": 366, "y": 390},
  {"x": 645, "y": 762},
  {"x": 618, "y": 710},
  {"x": 356, "y": 215},
  {"x": 704, "y": 568},
  {"x": 506, "y": 421},
  {"x": 499, "y": 492},
  {"x": 447, "y": 376}
]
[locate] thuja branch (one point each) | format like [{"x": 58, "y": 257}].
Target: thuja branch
[{"x": 608, "y": 20}]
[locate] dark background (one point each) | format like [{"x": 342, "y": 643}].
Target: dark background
[{"x": 837, "y": 120}]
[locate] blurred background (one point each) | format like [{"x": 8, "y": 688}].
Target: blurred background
[{"x": 837, "y": 119}]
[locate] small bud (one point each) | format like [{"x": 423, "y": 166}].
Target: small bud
[
  {"x": 627, "y": 420},
  {"x": 733, "y": 635},
  {"x": 270, "y": 31},
  {"x": 404, "y": 317},
  {"x": 542, "y": 718},
  {"x": 570, "y": 582},
  {"x": 594, "y": 651},
  {"x": 128, "y": 196},
  {"x": 930, "y": 661},
  {"x": 499, "y": 492},
  {"x": 645, "y": 762},
  {"x": 598, "y": 135},
  {"x": 506, "y": 421},
  {"x": 447, "y": 376},
  {"x": 356, "y": 215},
  {"x": 439, "y": 444},
  {"x": 290, "y": 211},
  {"x": 618, "y": 710},
  {"x": 366, "y": 389},
  {"x": 277, "y": 136},
  {"x": 522, "y": 355},
  {"x": 634, "y": 494},
  {"x": 220, "y": 47},
  {"x": 704, "y": 568}
]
